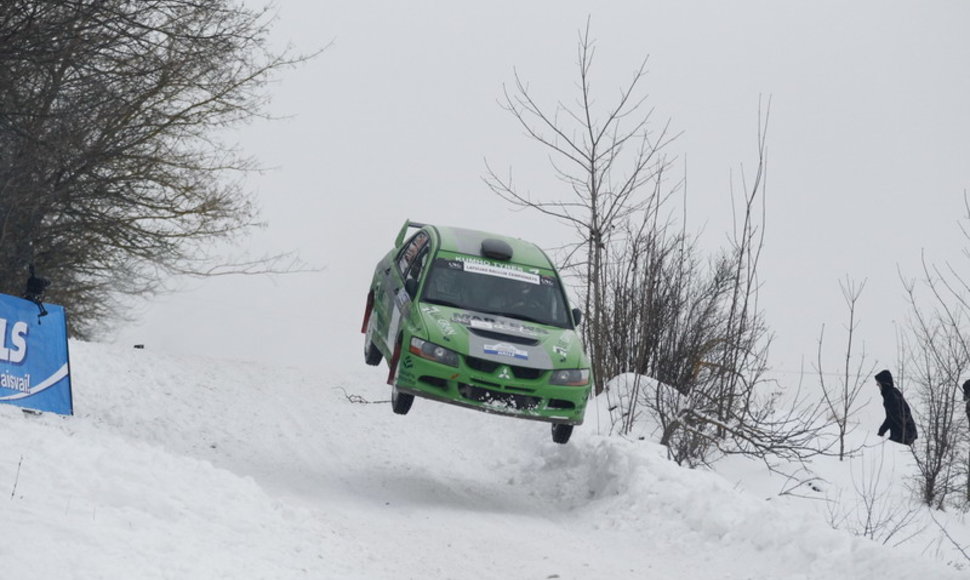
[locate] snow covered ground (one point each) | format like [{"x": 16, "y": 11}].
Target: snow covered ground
[{"x": 177, "y": 467}]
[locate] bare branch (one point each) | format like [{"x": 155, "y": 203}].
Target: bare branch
[{"x": 111, "y": 175}]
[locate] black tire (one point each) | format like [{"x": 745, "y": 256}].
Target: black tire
[
  {"x": 401, "y": 402},
  {"x": 372, "y": 354},
  {"x": 561, "y": 433}
]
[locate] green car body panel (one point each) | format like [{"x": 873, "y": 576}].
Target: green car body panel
[{"x": 478, "y": 320}]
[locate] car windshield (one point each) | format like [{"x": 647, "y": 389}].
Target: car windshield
[{"x": 504, "y": 290}]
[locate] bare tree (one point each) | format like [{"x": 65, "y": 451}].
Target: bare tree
[
  {"x": 111, "y": 171},
  {"x": 724, "y": 403},
  {"x": 653, "y": 306},
  {"x": 841, "y": 400},
  {"x": 613, "y": 168},
  {"x": 938, "y": 354}
]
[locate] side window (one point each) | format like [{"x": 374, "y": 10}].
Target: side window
[
  {"x": 417, "y": 266},
  {"x": 411, "y": 258}
]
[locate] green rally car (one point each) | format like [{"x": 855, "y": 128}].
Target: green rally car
[{"x": 478, "y": 320}]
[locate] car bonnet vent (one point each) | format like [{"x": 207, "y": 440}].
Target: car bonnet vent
[
  {"x": 496, "y": 249},
  {"x": 506, "y": 337}
]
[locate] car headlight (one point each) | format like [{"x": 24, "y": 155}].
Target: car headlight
[
  {"x": 570, "y": 377},
  {"x": 432, "y": 351}
]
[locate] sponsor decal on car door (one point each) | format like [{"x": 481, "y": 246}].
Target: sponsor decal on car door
[
  {"x": 393, "y": 305},
  {"x": 400, "y": 309}
]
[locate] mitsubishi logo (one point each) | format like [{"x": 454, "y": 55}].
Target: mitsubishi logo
[{"x": 505, "y": 373}]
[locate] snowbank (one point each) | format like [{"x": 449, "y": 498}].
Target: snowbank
[{"x": 179, "y": 467}]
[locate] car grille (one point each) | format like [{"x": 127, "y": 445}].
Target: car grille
[
  {"x": 490, "y": 366},
  {"x": 491, "y": 397}
]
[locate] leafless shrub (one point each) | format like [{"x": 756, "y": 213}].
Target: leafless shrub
[
  {"x": 962, "y": 550},
  {"x": 874, "y": 512},
  {"x": 653, "y": 306},
  {"x": 840, "y": 400},
  {"x": 801, "y": 483},
  {"x": 938, "y": 355},
  {"x": 715, "y": 354}
]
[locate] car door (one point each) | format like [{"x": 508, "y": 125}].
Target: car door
[{"x": 408, "y": 264}]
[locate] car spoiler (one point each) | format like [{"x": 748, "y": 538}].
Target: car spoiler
[{"x": 404, "y": 231}]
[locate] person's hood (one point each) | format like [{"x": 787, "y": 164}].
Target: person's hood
[{"x": 884, "y": 378}]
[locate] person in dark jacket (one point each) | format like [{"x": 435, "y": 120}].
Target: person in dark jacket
[
  {"x": 899, "y": 420},
  {"x": 966, "y": 396}
]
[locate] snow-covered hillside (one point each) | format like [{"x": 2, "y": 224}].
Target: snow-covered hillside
[{"x": 196, "y": 468}]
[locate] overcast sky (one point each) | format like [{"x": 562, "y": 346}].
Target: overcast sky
[{"x": 868, "y": 148}]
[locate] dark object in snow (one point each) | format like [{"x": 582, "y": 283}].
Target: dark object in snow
[
  {"x": 884, "y": 377},
  {"x": 36, "y": 287},
  {"x": 899, "y": 420},
  {"x": 966, "y": 396}
]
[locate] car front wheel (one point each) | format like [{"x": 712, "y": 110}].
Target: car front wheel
[
  {"x": 401, "y": 402},
  {"x": 561, "y": 432}
]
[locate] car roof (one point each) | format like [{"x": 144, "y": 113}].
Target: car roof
[{"x": 465, "y": 241}]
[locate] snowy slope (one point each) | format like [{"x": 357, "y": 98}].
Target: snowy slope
[{"x": 179, "y": 467}]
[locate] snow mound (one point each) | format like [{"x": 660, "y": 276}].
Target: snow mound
[{"x": 180, "y": 467}]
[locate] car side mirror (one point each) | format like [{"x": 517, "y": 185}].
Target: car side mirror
[
  {"x": 411, "y": 287},
  {"x": 577, "y": 316}
]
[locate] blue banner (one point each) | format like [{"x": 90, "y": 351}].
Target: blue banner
[{"x": 34, "y": 371}]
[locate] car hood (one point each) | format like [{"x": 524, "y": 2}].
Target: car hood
[{"x": 504, "y": 340}]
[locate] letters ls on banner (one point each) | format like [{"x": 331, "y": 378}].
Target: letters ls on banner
[{"x": 34, "y": 369}]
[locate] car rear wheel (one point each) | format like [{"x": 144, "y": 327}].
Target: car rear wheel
[
  {"x": 372, "y": 354},
  {"x": 401, "y": 402},
  {"x": 368, "y": 310},
  {"x": 561, "y": 432}
]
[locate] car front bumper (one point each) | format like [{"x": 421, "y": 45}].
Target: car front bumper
[{"x": 493, "y": 388}]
